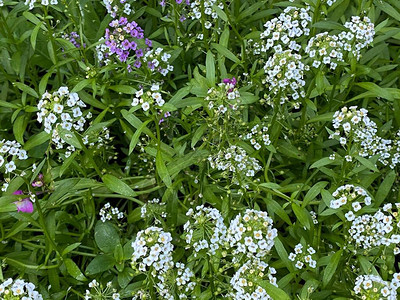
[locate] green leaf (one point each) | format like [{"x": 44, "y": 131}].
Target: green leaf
[
  {"x": 273, "y": 291},
  {"x": 135, "y": 122},
  {"x": 225, "y": 52},
  {"x": 37, "y": 140},
  {"x": 125, "y": 89},
  {"x": 210, "y": 68},
  {"x": 100, "y": 264},
  {"x": 70, "y": 248},
  {"x": 302, "y": 215},
  {"x": 106, "y": 236},
  {"x": 136, "y": 136},
  {"x": 81, "y": 85},
  {"x": 385, "y": 188},
  {"x": 23, "y": 87},
  {"x": 322, "y": 162},
  {"x": 118, "y": 186},
  {"x": 198, "y": 134},
  {"x": 331, "y": 267},
  {"x": 19, "y": 128},
  {"x": 367, "y": 163},
  {"x": 162, "y": 169},
  {"x": 281, "y": 250},
  {"x": 313, "y": 192},
  {"x": 34, "y": 35},
  {"x": 74, "y": 270}
]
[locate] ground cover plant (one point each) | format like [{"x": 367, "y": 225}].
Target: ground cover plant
[{"x": 187, "y": 149}]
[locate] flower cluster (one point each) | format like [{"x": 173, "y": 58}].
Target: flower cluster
[
  {"x": 185, "y": 280},
  {"x": 107, "y": 212},
  {"x": 150, "y": 98},
  {"x": 157, "y": 60},
  {"x": 285, "y": 72},
  {"x": 252, "y": 233},
  {"x": 236, "y": 161},
  {"x": 61, "y": 109},
  {"x": 345, "y": 196},
  {"x": 292, "y": 23},
  {"x": 225, "y": 97},
  {"x": 257, "y": 136},
  {"x": 98, "y": 139},
  {"x": 210, "y": 16},
  {"x": 301, "y": 257},
  {"x": 10, "y": 152},
  {"x": 374, "y": 287},
  {"x": 326, "y": 49},
  {"x": 153, "y": 249},
  {"x": 31, "y": 3},
  {"x": 97, "y": 291},
  {"x": 369, "y": 231},
  {"x": 18, "y": 289},
  {"x": 360, "y": 35},
  {"x": 74, "y": 38},
  {"x": 122, "y": 41},
  {"x": 353, "y": 125},
  {"x": 117, "y": 7},
  {"x": 245, "y": 282},
  {"x": 205, "y": 230},
  {"x": 154, "y": 209}
]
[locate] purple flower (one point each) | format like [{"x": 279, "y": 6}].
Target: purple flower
[
  {"x": 137, "y": 64},
  {"x": 139, "y": 53},
  {"x": 126, "y": 44},
  {"x": 133, "y": 46},
  {"x": 24, "y": 205},
  {"x": 39, "y": 182},
  {"x": 123, "y": 21},
  {"x": 179, "y": 1},
  {"x": 162, "y": 3},
  {"x": 182, "y": 18},
  {"x": 148, "y": 42}
]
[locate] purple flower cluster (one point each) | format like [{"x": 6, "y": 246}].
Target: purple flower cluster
[
  {"x": 74, "y": 38},
  {"x": 122, "y": 40}
]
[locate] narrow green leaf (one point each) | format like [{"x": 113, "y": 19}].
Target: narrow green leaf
[
  {"x": 331, "y": 267},
  {"x": 74, "y": 270},
  {"x": 23, "y": 87},
  {"x": 210, "y": 68},
  {"x": 225, "y": 52},
  {"x": 136, "y": 136},
  {"x": 162, "y": 169},
  {"x": 118, "y": 186}
]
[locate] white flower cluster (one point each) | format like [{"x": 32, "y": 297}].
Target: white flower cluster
[
  {"x": 302, "y": 257},
  {"x": 326, "y": 49},
  {"x": 285, "y": 72},
  {"x": 1, "y": 3},
  {"x": 369, "y": 231},
  {"x": 354, "y": 125},
  {"x": 374, "y": 287},
  {"x": 314, "y": 217},
  {"x": 223, "y": 98},
  {"x": 157, "y": 60},
  {"x": 150, "y": 98},
  {"x": 258, "y": 136},
  {"x": 330, "y": 49},
  {"x": 245, "y": 281},
  {"x": 108, "y": 213},
  {"x": 153, "y": 249},
  {"x": 10, "y": 151},
  {"x": 252, "y": 233},
  {"x": 205, "y": 230},
  {"x": 98, "y": 292},
  {"x": 360, "y": 36},
  {"x": 292, "y": 23},
  {"x": 210, "y": 15},
  {"x": 235, "y": 160},
  {"x": 61, "y": 109},
  {"x": 184, "y": 280},
  {"x": 19, "y": 289},
  {"x": 345, "y": 195},
  {"x": 31, "y": 3},
  {"x": 115, "y": 7}
]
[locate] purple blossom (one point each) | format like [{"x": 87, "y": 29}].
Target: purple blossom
[
  {"x": 137, "y": 64},
  {"x": 24, "y": 205},
  {"x": 148, "y": 42}
]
